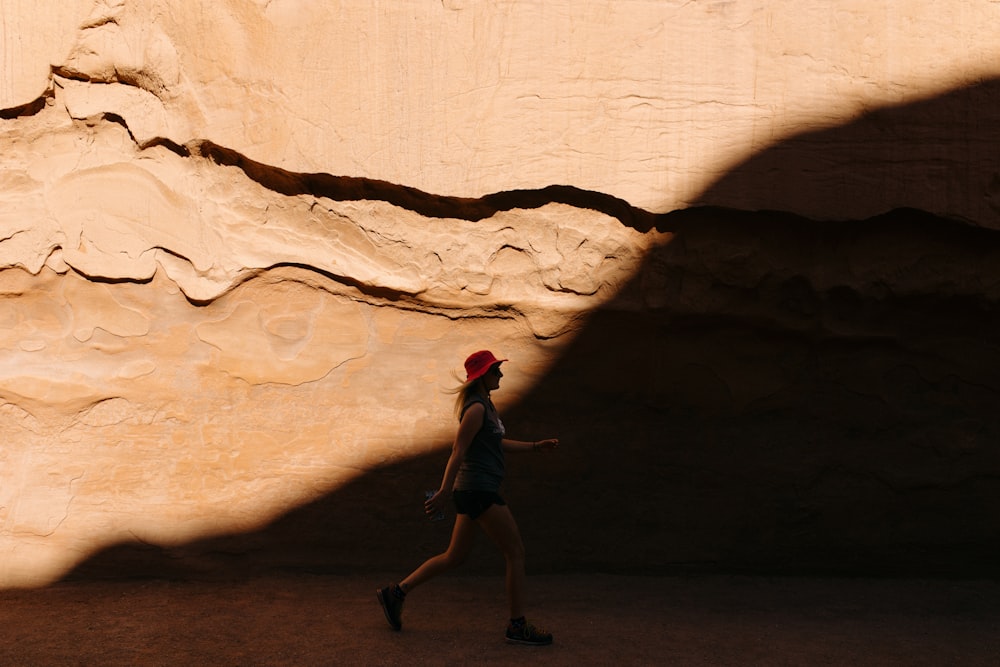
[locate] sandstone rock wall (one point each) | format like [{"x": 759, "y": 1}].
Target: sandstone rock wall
[{"x": 245, "y": 247}]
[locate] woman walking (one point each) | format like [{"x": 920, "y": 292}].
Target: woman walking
[{"x": 472, "y": 479}]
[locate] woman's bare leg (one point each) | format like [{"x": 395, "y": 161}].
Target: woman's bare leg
[
  {"x": 463, "y": 536},
  {"x": 499, "y": 524}
]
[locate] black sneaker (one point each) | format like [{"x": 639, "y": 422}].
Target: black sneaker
[
  {"x": 392, "y": 605},
  {"x": 526, "y": 633}
]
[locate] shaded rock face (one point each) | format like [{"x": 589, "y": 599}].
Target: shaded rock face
[
  {"x": 220, "y": 357},
  {"x": 769, "y": 396}
]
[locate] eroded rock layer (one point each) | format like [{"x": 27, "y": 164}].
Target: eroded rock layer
[{"x": 762, "y": 397}]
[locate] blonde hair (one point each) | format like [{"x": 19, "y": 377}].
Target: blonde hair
[{"x": 464, "y": 392}]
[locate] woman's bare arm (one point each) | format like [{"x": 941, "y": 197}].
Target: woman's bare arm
[
  {"x": 534, "y": 446},
  {"x": 471, "y": 422}
]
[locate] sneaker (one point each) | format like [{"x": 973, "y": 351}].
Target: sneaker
[
  {"x": 527, "y": 634},
  {"x": 392, "y": 605}
]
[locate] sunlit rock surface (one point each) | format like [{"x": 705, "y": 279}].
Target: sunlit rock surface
[
  {"x": 187, "y": 351},
  {"x": 648, "y": 101},
  {"x": 246, "y": 245}
]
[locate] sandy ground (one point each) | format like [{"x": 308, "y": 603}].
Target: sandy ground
[{"x": 458, "y": 620}]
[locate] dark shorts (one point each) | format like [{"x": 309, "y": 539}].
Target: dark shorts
[{"x": 474, "y": 503}]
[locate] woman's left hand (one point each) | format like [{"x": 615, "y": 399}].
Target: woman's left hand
[
  {"x": 436, "y": 504},
  {"x": 549, "y": 443}
]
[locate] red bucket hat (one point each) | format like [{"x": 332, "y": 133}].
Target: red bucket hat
[{"x": 478, "y": 363}]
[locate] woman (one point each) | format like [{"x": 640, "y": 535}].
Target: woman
[{"x": 472, "y": 478}]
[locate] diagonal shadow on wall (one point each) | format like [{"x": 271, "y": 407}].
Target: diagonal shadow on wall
[{"x": 770, "y": 393}]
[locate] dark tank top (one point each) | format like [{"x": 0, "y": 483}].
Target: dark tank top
[{"x": 482, "y": 468}]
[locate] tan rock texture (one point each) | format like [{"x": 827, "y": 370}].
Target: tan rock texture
[{"x": 742, "y": 256}]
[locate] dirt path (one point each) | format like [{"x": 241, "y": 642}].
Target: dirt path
[{"x": 456, "y": 620}]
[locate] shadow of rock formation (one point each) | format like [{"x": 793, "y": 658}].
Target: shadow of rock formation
[
  {"x": 769, "y": 394},
  {"x": 937, "y": 155}
]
